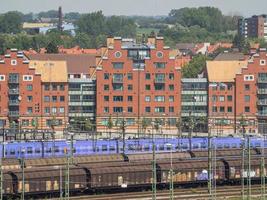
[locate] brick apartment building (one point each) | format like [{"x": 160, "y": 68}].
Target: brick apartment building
[
  {"x": 253, "y": 27},
  {"x": 237, "y": 94},
  {"x": 137, "y": 83}
]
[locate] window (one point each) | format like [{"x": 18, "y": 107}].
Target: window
[
  {"x": 221, "y": 108},
  {"x": 229, "y": 98},
  {"x": 106, "y": 76},
  {"x": 130, "y": 87},
  {"x": 54, "y": 98},
  {"x": 54, "y": 87},
  {"x": 61, "y": 87},
  {"x": 46, "y": 87},
  {"x": 159, "y": 99},
  {"x": 214, "y": 109},
  {"x": 159, "y": 65},
  {"x": 222, "y": 87},
  {"x": 130, "y": 98},
  {"x": 171, "y": 109},
  {"x": 29, "y": 98},
  {"x": 262, "y": 62},
  {"x": 214, "y": 88},
  {"x": 247, "y": 87},
  {"x": 249, "y": 78},
  {"x": 13, "y": 62},
  {"x": 117, "y": 98},
  {"x": 46, "y": 98},
  {"x": 214, "y": 98},
  {"x": 221, "y": 98},
  {"x": 2, "y": 77},
  {"x": 159, "y": 87},
  {"x": 46, "y": 110},
  {"x": 148, "y": 76},
  {"x": 159, "y": 109},
  {"x": 106, "y": 87},
  {"x": 117, "y": 109},
  {"x": 247, "y": 109},
  {"x": 106, "y": 98},
  {"x": 27, "y": 77},
  {"x": 229, "y": 86},
  {"x": 247, "y": 98},
  {"x": 159, "y": 54},
  {"x": 117, "y": 65},
  {"x": 29, "y": 87},
  {"x": 147, "y": 109},
  {"x": 54, "y": 110},
  {"x": 75, "y": 98},
  {"x": 147, "y": 98},
  {"x": 117, "y": 87},
  {"x": 229, "y": 109},
  {"x": 147, "y": 87},
  {"x": 171, "y": 87},
  {"x": 130, "y": 109},
  {"x": 117, "y": 54},
  {"x": 61, "y": 110},
  {"x": 62, "y": 98},
  {"x": 171, "y": 76},
  {"x": 130, "y": 76},
  {"x": 106, "y": 109},
  {"x": 25, "y": 122},
  {"x": 171, "y": 98},
  {"x": 29, "y": 109}
]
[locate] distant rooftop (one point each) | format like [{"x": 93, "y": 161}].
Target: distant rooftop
[{"x": 230, "y": 56}]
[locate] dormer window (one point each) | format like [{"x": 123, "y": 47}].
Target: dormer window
[{"x": 13, "y": 62}]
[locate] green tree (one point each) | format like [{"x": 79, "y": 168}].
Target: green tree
[
  {"x": 145, "y": 123},
  {"x": 194, "y": 67},
  {"x": 52, "y": 47},
  {"x": 11, "y": 22},
  {"x": 110, "y": 125},
  {"x": 83, "y": 40}
]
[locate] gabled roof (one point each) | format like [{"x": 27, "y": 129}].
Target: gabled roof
[
  {"x": 224, "y": 71},
  {"x": 50, "y": 71},
  {"x": 76, "y": 63}
]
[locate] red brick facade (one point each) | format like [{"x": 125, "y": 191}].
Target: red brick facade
[{"x": 147, "y": 87}]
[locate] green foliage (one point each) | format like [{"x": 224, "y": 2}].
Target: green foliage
[
  {"x": 48, "y": 14},
  {"x": 110, "y": 123},
  {"x": 241, "y": 43},
  {"x": 10, "y": 22},
  {"x": 194, "y": 67}
]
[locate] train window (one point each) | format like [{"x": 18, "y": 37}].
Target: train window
[
  {"x": 146, "y": 147},
  {"x": 203, "y": 145},
  {"x": 74, "y": 150},
  {"x": 111, "y": 148},
  {"x": 29, "y": 150},
  {"x": 48, "y": 150},
  {"x": 37, "y": 150},
  {"x": 161, "y": 147},
  {"x": 97, "y": 149},
  {"x": 56, "y": 149},
  {"x": 257, "y": 144},
  {"x": 131, "y": 147},
  {"x": 184, "y": 146},
  {"x": 104, "y": 148},
  {"x": 12, "y": 152},
  {"x": 195, "y": 146},
  {"x": 5, "y": 152},
  {"x": 226, "y": 146},
  {"x": 169, "y": 148},
  {"x": 234, "y": 145},
  {"x": 219, "y": 146}
]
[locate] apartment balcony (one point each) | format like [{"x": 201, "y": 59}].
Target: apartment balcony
[
  {"x": 13, "y": 102},
  {"x": 262, "y": 102},
  {"x": 262, "y": 114},
  {"x": 159, "y": 80},
  {"x": 13, "y": 114},
  {"x": 13, "y": 80},
  {"x": 13, "y": 91},
  {"x": 262, "y": 80},
  {"x": 117, "y": 80}
]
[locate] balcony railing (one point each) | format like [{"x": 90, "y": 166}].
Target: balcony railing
[
  {"x": 159, "y": 80},
  {"x": 13, "y": 113},
  {"x": 117, "y": 80},
  {"x": 262, "y": 80},
  {"x": 13, "y": 91},
  {"x": 13, "y": 80},
  {"x": 13, "y": 102},
  {"x": 262, "y": 102},
  {"x": 262, "y": 114}
]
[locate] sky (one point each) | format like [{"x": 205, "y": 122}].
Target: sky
[{"x": 134, "y": 7}]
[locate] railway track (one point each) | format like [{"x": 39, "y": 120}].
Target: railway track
[{"x": 222, "y": 192}]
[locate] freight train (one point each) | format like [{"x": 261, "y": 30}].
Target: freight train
[
  {"x": 44, "y": 149},
  {"x": 133, "y": 174}
]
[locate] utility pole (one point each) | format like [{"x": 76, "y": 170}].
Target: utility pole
[
  {"x": 263, "y": 170},
  {"x": 209, "y": 163},
  {"x": 243, "y": 168},
  {"x": 171, "y": 179},
  {"x": 248, "y": 171},
  {"x": 23, "y": 177},
  {"x": 1, "y": 178},
  {"x": 67, "y": 177},
  {"x": 154, "y": 169}
]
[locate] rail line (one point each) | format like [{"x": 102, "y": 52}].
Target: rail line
[{"x": 222, "y": 192}]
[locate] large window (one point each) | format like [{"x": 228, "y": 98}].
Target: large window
[
  {"x": 75, "y": 98},
  {"x": 117, "y": 98},
  {"x": 159, "y": 109},
  {"x": 159, "y": 65},
  {"x": 159, "y": 98},
  {"x": 117, "y": 65},
  {"x": 117, "y": 109}
]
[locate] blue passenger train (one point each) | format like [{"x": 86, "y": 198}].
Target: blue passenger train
[{"x": 44, "y": 149}]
